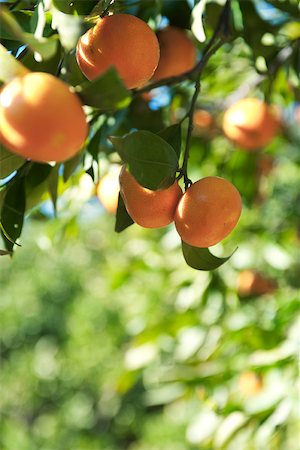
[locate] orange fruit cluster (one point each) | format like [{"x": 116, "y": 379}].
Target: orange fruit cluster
[{"x": 204, "y": 215}]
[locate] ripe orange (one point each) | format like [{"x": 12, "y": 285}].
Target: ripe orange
[
  {"x": 177, "y": 53},
  {"x": 208, "y": 211},
  {"x": 149, "y": 209},
  {"x": 41, "y": 119},
  {"x": 253, "y": 283},
  {"x": 250, "y": 383},
  {"x": 123, "y": 41},
  {"x": 108, "y": 190},
  {"x": 203, "y": 119},
  {"x": 250, "y": 123}
]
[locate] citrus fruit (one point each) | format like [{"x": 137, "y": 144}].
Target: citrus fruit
[
  {"x": 253, "y": 283},
  {"x": 41, "y": 119},
  {"x": 208, "y": 211},
  {"x": 149, "y": 209},
  {"x": 250, "y": 123},
  {"x": 177, "y": 53},
  {"x": 108, "y": 190},
  {"x": 122, "y": 41}
]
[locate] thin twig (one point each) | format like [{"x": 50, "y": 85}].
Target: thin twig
[{"x": 213, "y": 45}]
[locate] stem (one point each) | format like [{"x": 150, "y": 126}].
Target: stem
[
  {"x": 211, "y": 48},
  {"x": 106, "y": 10}
]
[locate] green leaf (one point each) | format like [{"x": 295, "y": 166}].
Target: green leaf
[
  {"x": 151, "y": 160},
  {"x": 107, "y": 92},
  {"x": 123, "y": 219},
  {"x": 79, "y": 7},
  {"x": 172, "y": 135},
  {"x": 12, "y": 212},
  {"x": 46, "y": 47},
  {"x": 53, "y": 185},
  {"x": 4, "y": 252},
  {"x": 9, "y": 66},
  {"x": 201, "y": 258},
  {"x": 9, "y": 162},
  {"x": 69, "y": 28},
  {"x": 71, "y": 165}
]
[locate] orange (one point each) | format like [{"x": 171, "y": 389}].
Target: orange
[
  {"x": 249, "y": 383},
  {"x": 253, "y": 283},
  {"x": 124, "y": 42},
  {"x": 108, "y": 190},
  {"x": 41, "y": 119},
  {"x": 203, "y": 119},
  {"x": 177, "y": 53},
  {"x": 149, "y": 209},
  {"x": 250, "y": 123},
  {"x": 208, "y": 211}
]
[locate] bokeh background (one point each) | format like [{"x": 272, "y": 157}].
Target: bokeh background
[{"x": 110, "y": 341}]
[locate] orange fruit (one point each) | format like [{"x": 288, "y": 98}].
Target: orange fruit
[
  {"x": 177, "y": 53},
  {"x": 41, "y": 119},
  {"x": 108, "y": 190},
  {"x": 253, "y": 283},
  {"x": 249, "y": 383},
  {"x": 203, "y": 119},
  {"x": 149, "y": 209},
  {"x": 208, "y": 211},
  {"x": 250, "y": 123},
  {"x": 124, "y": 42}
]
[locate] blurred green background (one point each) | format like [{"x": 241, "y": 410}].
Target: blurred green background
[{"x": 110, "y": 341}]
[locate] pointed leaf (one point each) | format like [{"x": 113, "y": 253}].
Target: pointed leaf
[
  {"x": 106, "y": 92},
  {"x": 201, "y": 258},
  {"x": 9, "y": 162},
  {"x": 4, "y": 252},
  {"x": 9, "y": 66},
  {"x": 46, "y": 47},
  {"x": 12, "y": 212},
  {"x": 53, "y": 185},
  {"x": 123, "y": 219},
  {"x": 151, "y": 160},
  {"x": 172, "y": 135}
]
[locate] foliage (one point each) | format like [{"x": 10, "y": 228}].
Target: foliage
[
  {"x": 250, "y": 48},
  {"x": 109, "y": 340}
]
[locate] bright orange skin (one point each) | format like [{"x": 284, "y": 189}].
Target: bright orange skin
[
  {"x": 124, "y": 42},
  {"x": 41, "y": 119},
  {"x": 149, "y": 209},
  {"x": 208, "y": 211},
  {"x": 253, "y": 283},
  {"x": 177, "y": 53},
  {"x": 203, "y": 119},
  {"x": 250, "y": 123},
  {"x": 108, "y": 191}
]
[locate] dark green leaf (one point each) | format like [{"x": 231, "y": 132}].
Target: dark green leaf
[
  {"x": 151, "y": 160},
  {"x": 9, "y": 162},
  {"x": 201, "y": 258},
  {"x": 106, "y": 92},
  {"x": 123, "y": 219},
  {"x": 12, "y": 212},
  {"x": 53, "y": 185},
  {"x": 172, "y": 135},
  {"x": 94, "y": 144},
  {"x": 4, "y": 252},
  {"x": 70, "y": 166}
]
